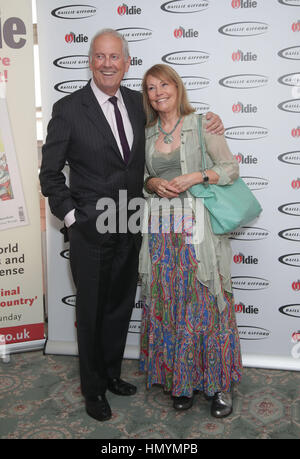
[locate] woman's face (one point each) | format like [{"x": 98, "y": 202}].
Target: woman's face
[{"x": 162, "y": 94}]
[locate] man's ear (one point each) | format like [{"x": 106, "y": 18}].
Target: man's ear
[{"x": 127, "y": 64}]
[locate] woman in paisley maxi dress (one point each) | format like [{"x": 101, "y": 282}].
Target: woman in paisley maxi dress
[{"x": 189, "y": 337}]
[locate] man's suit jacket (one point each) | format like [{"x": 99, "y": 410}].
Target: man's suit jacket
[{"x": 80, "y": 135}]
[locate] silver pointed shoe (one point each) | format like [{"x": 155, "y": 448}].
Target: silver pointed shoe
[{"x": 221, "y": 405}]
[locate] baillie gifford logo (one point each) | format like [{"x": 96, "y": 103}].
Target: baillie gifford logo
[
  {"x": 290, "y": 157},
  {"x": 290, "y": 208},
  {"x": 290, "y": 2},
  {"x": 244, "y": 29},
  {"x": 185, "y": 6},
  {"x": 74, "y": 12},
  {"x": 126, "y": 10},
  {"x": 253, "y": 333}
]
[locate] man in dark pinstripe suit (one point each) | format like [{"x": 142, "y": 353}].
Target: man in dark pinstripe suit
[{"x": 83, "y": 131}]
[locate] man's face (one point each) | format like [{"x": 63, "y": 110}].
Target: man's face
[{"x": 108, "y": 63}]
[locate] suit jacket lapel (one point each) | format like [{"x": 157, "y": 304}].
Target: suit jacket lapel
[
  {"x": 128, "y": 101},
  {"x": 97, "y": 117}
]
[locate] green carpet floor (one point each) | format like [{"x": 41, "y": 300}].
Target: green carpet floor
[{"x": 40, "y": 399}]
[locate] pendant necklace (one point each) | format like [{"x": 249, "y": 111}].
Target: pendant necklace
[{"x": 168, "y": 138}]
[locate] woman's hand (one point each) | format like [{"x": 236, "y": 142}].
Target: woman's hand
[
  {"x": 162, "y": 188},
  {"x": 184, "y": 182}
]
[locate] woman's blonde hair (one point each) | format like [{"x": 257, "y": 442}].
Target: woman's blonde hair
[{"x": 165, "y": 72}]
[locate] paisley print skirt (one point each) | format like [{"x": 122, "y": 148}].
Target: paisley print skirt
[{"x": 186, "y": 343}]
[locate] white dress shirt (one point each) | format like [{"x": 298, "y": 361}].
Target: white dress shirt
[{"x": 109, "y": 112}]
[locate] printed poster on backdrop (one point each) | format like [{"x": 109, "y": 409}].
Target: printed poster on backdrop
[
  {"x": 21, "y": 284},
  {"x": 233, "y": 62},
  {"x": 12, "y": 201}
]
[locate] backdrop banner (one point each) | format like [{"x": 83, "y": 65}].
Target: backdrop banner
[
  {"x": 21, "y": 288},
  {"x": 240, "y": 59}
]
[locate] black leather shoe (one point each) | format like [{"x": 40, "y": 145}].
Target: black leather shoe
[
  {"x": 98, "y": 408},
  {"x": 183, "y": 403},
  {"x": 119, "y": 387},
  {"x": 221, "y": 405}
]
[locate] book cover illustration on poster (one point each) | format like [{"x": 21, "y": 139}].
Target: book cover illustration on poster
[{"x": 12, "y": 203}]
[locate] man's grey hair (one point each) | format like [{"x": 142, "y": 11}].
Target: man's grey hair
[{"x": 114, "y": 33}]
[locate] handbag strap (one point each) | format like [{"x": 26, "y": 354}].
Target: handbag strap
[{"x": 203, "y": 150}]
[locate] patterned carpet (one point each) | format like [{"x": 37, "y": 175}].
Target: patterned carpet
[{"x": 40, "y": 399}]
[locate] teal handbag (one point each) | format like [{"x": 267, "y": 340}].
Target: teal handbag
[{"x": 229, "y": 206}]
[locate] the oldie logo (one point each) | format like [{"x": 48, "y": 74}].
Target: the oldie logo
[
  {"x": 136, "y": 61},
  {"x": 185, "y": 6},
  {"x": 246, "y": 132},
  {"x": 291, "y": 259},
  {"x": 291, "y": 157},
  {"x": 181, "y": 32},
  {"x": 295, "y": 184},
  {"x": 292, "y": 310},
  {"x": 79, "y": 61},
  {"x": 192, "y": 83},
  {"x": 126, "y": 10},
  {"x": 249, "y": 233},
  {"x": 291, "y": 208},
  {"x": 239, "y": 108},
  {"x": 296, "y": 336},
  {"x": 296, "y": 286},
  {"x": 291, "y": 234},
  {"x": 292, "y": 53},
  {"x": 291, "y": 79},
  {"x": 242, "y": 308},
  {"x": 135, "y": 33},
  {"x": 296, "y": 26},
  {"x": 239, "y": 258},
  {"x": 74, "y": 11},
  {"x": 240, "y": 56},
  {"x": 243, "y": 4},
  {"x": 65, "y": 254},
  {"x": 256, "y": 183},
  {"x": 186, "y": 57},
  {"x": 292, "y": 106},
  {"x": 200, "y": 107},
  {"x": 253, "y": 333},
  {"x": 245, "y": 159},
  {"x": 290, "y": 2},
  {"x": 69, "y": 300},
  {"x": 244, "y": 29},
  {"x": 73, "y": 38},
  {"x": 70, "y": 86},
  {"x": 296, "y": 132},
  {"x": 244, "y": 81},
  {"x": 249, "y": 283},
  {"x": 133, "y": 83}
]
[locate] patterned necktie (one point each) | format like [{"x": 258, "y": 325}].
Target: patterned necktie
[{"x": 121, "y": 130}]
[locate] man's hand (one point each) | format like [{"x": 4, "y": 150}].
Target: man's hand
[{"x": 214, "y": 125}]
